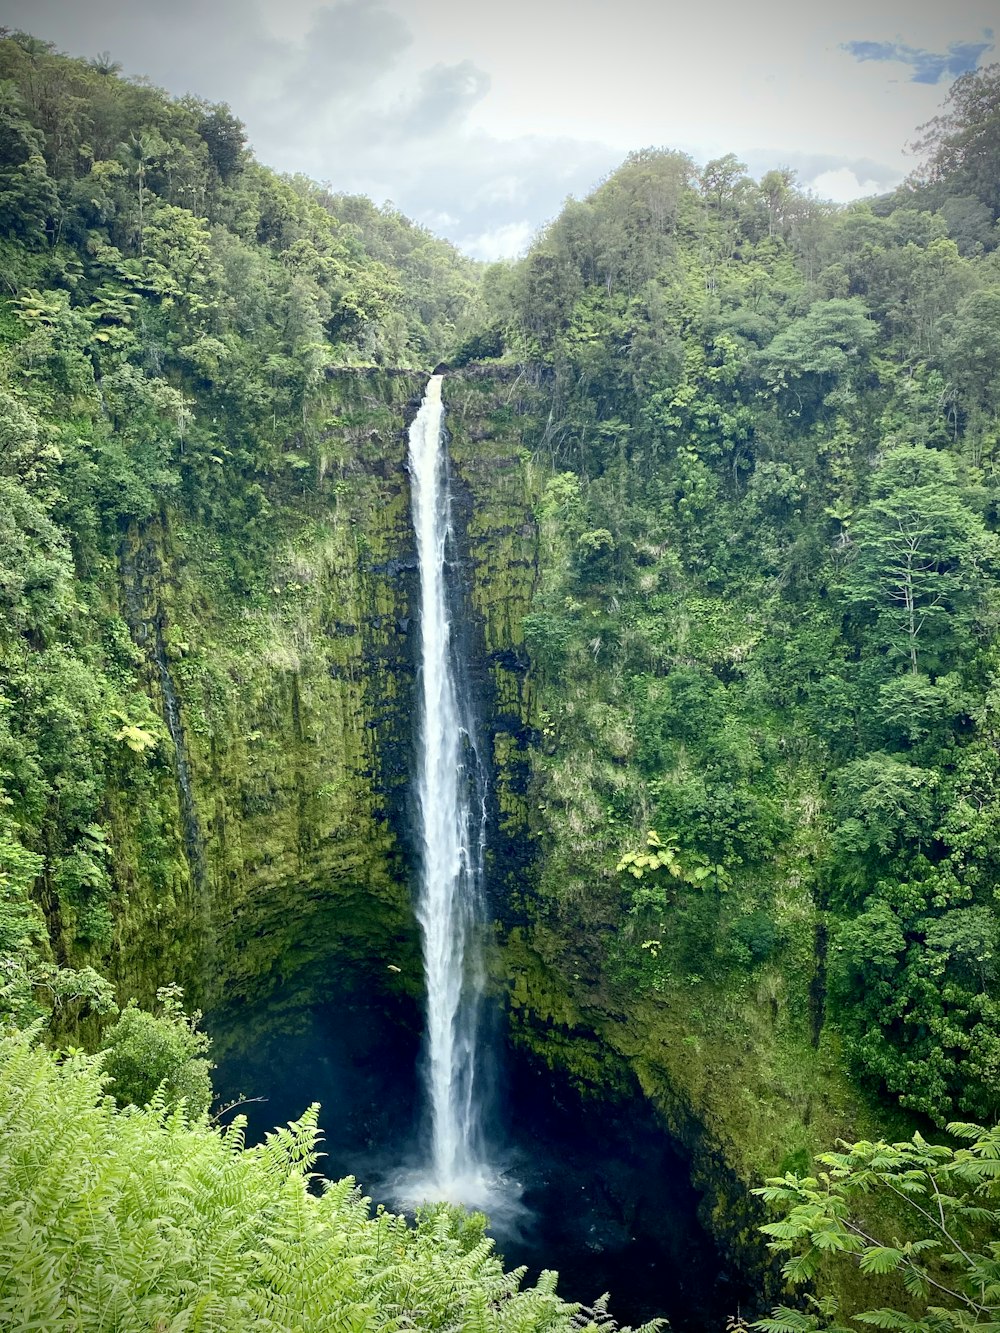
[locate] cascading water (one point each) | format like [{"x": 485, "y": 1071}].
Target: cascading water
[{"x": 451, "y": 815}]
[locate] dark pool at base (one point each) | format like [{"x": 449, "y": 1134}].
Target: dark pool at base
[{"x": 606, "y": 1196}]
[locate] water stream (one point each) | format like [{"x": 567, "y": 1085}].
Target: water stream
[{"x": 451, "y": 817}]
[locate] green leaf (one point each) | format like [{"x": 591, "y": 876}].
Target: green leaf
[{"x": 880, "y": 1259}]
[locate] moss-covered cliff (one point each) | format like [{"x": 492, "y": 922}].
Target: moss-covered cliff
[
  {"x": 259, "y": 849},
  {"x": 271, "y": 855},
  {"x": 739, "y": 1066},
  {"x": 266, "y": 851}
]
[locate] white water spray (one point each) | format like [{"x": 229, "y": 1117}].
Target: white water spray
[{"x": 451, "y": 814}]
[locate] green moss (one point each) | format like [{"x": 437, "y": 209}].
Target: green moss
[{"x": 293, "y": 714}]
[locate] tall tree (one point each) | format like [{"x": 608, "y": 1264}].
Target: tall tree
[
  {"x": 963, "y": 143},
  {"x": 918, "y": 556}
]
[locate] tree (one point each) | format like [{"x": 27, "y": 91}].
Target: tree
[
  {"x": 138, "y": 155},
  {"x": 27, "y": 195},
  {"x": 936, "y": 1221},
  {"x": 778, "y": 189},
  {"x": 719, "y": 179},
  {"x": 910, "y": 995},
  {"x": 226, "y": 139},
  {"x": 816, "y": 351},
  {"x": 165, "y": 1051},
  {"x": 918, "y": 556},
  {"x": 35, "y": 566},
  {"x": 963, "y": 143},
  {"x": 972, "y": 354},
  {"x": 103, "y": 64}
]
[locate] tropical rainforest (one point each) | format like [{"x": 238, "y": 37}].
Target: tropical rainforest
[{"x": 729, "y": 460}]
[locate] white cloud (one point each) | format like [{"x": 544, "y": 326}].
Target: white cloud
[
  {"x": 481, "y": 127},
  {"x": 439, "y": 222},
  {"x": 843, "y": 186},
  {"x": 505, "y": 242}
]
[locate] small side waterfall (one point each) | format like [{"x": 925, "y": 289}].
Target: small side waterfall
[{"x": 450, "y": 799}]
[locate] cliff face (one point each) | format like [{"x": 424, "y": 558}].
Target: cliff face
[
  {"x": 741, "y": 1069},
  {"x": 265, "y": 861},
  {"x": 270, "y": 855},
  {"x": 490, "y": 420},
  {"x": 266, "y": 853}
]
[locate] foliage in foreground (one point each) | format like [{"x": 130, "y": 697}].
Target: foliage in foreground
[
  {"x": 159, "y": 1054},
  {"x": 937, "y": 1232},
  {"x": 140, "y": 1219}
]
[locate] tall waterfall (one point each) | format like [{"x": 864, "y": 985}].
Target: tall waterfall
[{"x": 451, "y": 814}]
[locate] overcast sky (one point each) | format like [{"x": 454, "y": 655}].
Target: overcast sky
[{"x": 479, "y": 119}]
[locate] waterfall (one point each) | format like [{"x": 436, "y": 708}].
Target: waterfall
[{"x": 450, "y": 805}]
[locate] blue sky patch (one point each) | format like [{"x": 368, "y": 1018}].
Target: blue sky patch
[{"x": 927, "y": 66}]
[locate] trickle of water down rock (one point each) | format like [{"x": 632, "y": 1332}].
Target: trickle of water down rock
[{"x": 451, "y": 814}]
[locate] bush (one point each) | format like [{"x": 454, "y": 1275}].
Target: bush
[{"x": 146, "y": 1052}]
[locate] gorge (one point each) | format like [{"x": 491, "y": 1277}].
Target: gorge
[
  {"x": 720, "y": 536},
  {"x": 353, "y": 1042}
]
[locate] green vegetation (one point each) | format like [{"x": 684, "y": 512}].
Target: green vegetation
[
  {"x": 159, "y": 1056},
  {"x": 171, "y": 318},
  {"x": 767, "y": 604},
  {"x": 764, "y": 626},
  {"x": 728, "y": 463},
  {"x": 934, "y": 1237}
]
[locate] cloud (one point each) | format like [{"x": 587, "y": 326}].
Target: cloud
[
  {"x": 477, "y": 133},
  {"x": 843, "y": 186},
  {"x": 221, "y": 51},
  {"x": 504, "y": 242},
  {"x": 347, "y": 46},
  {"x": 487, "y": 194},
  {"x": 446, "y": 95},
  {"x": 828, "y": 175},
  {"x": 927, "y": 66}
]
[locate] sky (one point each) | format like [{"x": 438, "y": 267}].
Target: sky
[{"x": 479, "y": 119}]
